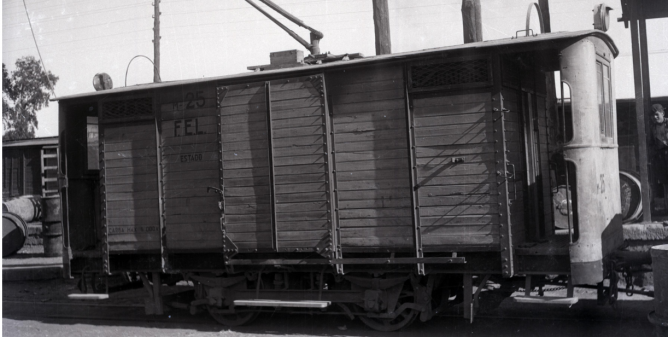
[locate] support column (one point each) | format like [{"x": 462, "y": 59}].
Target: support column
[
  {"x": 641, "y": 122},
  {"x": 157, "y": 299},
  {"x": 472, "y": 21}
]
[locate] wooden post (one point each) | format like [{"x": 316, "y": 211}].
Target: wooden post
[
  {"x": 551, "y": 99},
  {"x": 647, "y": 107},
  {"x": 157, "y": 297},
  {"x": 156, "y": 42},
  {"x": 468, "y": 296},
  {"x": 381, "y": 25},
  {"x": 640, "y": 113},
  {"x": 472, "y": 21}
]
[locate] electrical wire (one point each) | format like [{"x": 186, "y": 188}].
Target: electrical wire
[{"x": 46, "y": 72}]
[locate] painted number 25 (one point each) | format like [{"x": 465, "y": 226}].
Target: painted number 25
[{"x": 195, "y": 99}]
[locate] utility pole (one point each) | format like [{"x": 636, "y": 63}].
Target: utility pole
[
  {"x": 156, "y": 42},
  {"x": 472, "y": 21},
  {"x": 381, "y": 25}
]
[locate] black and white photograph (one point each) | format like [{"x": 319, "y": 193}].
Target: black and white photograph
[{"x": 334, "y": 168}]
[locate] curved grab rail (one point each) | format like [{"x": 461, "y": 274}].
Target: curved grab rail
[
  {"x": 540, "y": 18},
  {"x": 128, "y": 68}
]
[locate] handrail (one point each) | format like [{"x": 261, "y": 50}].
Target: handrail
[{"x": 540, "y": 18}]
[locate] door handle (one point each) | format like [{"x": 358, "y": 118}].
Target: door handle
[
  {"x": 219, "y": 191},
  {"x": 216, "y": 190},
  {"x": 510, "y": 176}
]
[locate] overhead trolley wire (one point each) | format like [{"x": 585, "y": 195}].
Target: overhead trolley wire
[{"x": 38, "y": 53}]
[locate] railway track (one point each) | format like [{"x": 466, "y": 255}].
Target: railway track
[{"x": 23, "y": 309}]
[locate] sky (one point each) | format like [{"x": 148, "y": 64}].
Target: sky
[{"x": 209, "y": 38}]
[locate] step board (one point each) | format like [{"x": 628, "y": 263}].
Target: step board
[
  {"x": 88, "y": 297},
  {"x": 287, "y": 304},
  {"x": 569, "y": 301}
]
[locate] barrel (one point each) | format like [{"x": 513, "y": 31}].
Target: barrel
[
  {"x": 51, "y": 208},
  {"x": 659, "y": 317},
  {"x": 52, "y": 227},
  {"x": 14, "y": 233},
  {"x": 27, "y": 207},
  {"x": 52, "y": 237}
]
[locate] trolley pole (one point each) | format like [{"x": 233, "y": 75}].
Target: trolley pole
[
  {"x": 381, "y": 25},
  {"x": 472, "y": 21},
  {"x": 545, "y": 13},
  {"x": 156, "y": 42}
]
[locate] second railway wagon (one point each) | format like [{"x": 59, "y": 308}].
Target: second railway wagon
[{"x": 381, "y": 186}]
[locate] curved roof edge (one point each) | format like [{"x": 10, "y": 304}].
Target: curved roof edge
[{"x": 522, "y": 40}]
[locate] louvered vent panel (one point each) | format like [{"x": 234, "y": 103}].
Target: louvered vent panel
[
  {"x": 450, "y": 73},
  {"x": 138, "y": 107}
]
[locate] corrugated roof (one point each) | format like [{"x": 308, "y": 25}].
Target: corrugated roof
[
  {"x": 520, "y": 41},
  {"x": 31, "y": 142}
]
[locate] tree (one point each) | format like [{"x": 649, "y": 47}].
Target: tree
[{"x": 24, "y": 92}]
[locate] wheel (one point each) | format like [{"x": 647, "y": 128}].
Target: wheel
[
  {"x": 236, "y": 319},
  {"x": 404, "y": 319}
]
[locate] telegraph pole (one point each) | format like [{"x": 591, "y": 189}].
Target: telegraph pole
[
  {"x": 381, "y": 25},
  {"x": 472, "y": 21},
  {"x": 156, "y": 42}
]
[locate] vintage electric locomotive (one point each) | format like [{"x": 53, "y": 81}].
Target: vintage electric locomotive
[{"x": 382, "y": 187}]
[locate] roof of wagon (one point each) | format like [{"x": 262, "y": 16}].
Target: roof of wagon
[{"x": 541, "y": 41}]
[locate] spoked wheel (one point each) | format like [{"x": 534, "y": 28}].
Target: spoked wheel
[
  {"x": 404, "y": 319},
  {"x": 235, "y": 319}
]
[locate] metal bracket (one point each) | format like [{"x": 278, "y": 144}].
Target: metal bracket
[
  {"x": 415, "y": 202},
  {"x": 502, "y": 179},
  {"x": 229, "y": 248},
  {"x": 335, "y": 251},
  {"x": 103, "y": 216}
]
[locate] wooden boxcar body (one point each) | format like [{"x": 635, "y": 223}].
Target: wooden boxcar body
[{"x": 350, "y": 181}]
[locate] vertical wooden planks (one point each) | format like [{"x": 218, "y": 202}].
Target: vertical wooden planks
[
  {"x": 454, "y": 145},
  {"x": 190, "y": 163},
  {"x": 372, "y": 178},
  {"x": 129, "y": 182},
  {"x": 298, "y": 131},
  {"x": 245, "y": 162}
]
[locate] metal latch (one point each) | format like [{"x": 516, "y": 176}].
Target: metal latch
[{"x": 217, "y": 190}]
